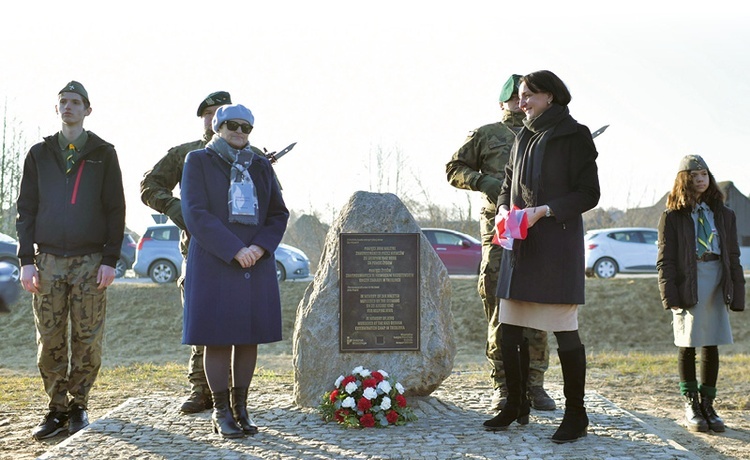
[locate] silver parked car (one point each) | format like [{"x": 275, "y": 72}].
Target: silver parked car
[
  {"x": 158, "y": 256},
  {"x": 610, "y": 251}
]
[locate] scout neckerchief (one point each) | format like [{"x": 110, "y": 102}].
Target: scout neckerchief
[
  {"x": 705, "y": 232},
  {"x": 70, "y": 150}
]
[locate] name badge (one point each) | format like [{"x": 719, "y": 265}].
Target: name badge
[{"x": 243, "y": 199}]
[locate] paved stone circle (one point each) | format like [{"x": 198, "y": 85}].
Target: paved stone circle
[{"x": 449, "y": 427}]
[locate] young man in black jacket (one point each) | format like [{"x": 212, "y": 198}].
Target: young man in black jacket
[{"x": 71, "y": 219}]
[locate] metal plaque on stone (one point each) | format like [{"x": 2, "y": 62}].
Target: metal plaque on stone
[{"x": 380, "y": 303}]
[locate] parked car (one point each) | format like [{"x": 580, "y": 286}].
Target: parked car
[
  {"x": 127, "y": 256},
  {"x": 461, "y": 254},
  {"x": 610, "y": 251},
  {"x": 158, "y": 256},
  {"x": 9, "y": 254}
]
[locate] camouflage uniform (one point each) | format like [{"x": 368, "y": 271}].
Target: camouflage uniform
[
  {"x": 156, "y": 193},
  {"x": 68, "y": 287},
  {"x": 485, "y": 152}
]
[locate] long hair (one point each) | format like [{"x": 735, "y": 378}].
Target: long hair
[{"x": 684, "y": 196}]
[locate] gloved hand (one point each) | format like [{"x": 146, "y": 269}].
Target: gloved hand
[
  {"x": 174, "y": 211},
  {"x": 490, "y": 186}
]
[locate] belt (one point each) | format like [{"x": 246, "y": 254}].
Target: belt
[{"x": 708, "y": 256}]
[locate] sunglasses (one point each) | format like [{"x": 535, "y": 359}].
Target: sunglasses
[{"x": 233, "y": 125}]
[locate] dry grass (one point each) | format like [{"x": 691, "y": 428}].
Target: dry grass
[{"x": 627, "y": 335}]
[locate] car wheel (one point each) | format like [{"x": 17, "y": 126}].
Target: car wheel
[
  {"x": 605, "y": 268},
  {"x": 280, "y": 272},
  {"x": 162, "y": 271},
  {"x": 120, "y": 268}
]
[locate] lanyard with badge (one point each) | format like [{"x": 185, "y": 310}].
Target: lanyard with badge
[{"x": 243, "y": 197}]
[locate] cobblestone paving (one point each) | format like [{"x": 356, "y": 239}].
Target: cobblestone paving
[{"x": 449, "y": 427}]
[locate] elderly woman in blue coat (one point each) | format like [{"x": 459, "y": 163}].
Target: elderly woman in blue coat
[{"x": 236, "y": 217}]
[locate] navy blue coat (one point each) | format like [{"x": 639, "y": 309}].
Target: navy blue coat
[{"x": 226, "y": 304}]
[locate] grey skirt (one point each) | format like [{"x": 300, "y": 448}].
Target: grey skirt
[{"x": 707, "y": 322}]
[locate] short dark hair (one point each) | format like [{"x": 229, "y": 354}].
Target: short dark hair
[{"x": 544, "y": 81}]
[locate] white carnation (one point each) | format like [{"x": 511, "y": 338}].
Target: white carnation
[
  {"x": 383, "y": 373},
  {"x": 351, "y": 387},
  {"x": 348, "y": 402},
  {"x": 386, "y": 403},
  {"x": 384, "y": 386},
  {"x": 399, "y": 388},
  {"x": 370, "y": 393},
  {"x": 338, "y": 381}
]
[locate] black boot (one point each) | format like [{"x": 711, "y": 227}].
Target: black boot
[
  {"x": 222, "y": 419},
  {"x": 693, "y": 415},
  {"x": 516, "y": 361},
  {"x": 575, "y": 421},
  {"x": 715, "y": 423},
  {"x": 239, "y": 409}
]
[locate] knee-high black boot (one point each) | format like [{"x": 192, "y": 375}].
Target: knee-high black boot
[
  {"x": 222, "y": 419},
  {"x": 575, "y": 421},
  {"x": 516, "y": 362},
  {"x": 239, "y": 409}
]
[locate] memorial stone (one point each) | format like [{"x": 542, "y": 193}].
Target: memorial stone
[{"x": 318, "y": 360}]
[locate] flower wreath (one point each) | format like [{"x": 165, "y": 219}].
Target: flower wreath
[{"x": 366, "y": 399}]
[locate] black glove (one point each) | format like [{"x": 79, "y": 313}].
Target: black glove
[
  {"x": 490, "y": 186},
  {"x": 174, "y": 211}
]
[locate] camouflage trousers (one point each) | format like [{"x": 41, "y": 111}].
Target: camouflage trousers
[
  {"x": 69, "y": 300},
  {"x": 196, "y": 373},
  {"x": 489, "y": 271}
]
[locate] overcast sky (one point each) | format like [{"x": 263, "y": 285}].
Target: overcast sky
[{"x": 347, "y": 81}]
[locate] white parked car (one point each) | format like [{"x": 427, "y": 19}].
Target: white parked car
[{"x": 610, "y": 251}]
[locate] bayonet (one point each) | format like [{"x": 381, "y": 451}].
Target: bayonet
[
  {"x": 273, "y": 157},
  {"x": 599, "y": 131}
]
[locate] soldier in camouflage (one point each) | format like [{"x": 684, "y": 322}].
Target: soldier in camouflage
[
  {"x": 480, "y": 165},
  {"x": 71, "y": 221},
  {"x": 156, "y": 192}
]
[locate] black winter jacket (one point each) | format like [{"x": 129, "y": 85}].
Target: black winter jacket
[
  {"x": 73, "y": 214},
  {"x": 677, "y": 262}
]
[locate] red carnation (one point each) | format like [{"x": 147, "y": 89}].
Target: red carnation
[
  {"x": 367, "y": 420},
  {"x": 364, "y": 404},
  {"x": 369, "y": 383},
  {"x": 401, "y": 401},
  {"x": 334, "y": 395},
  {"x": 348, "y": 379},
  {"x": 341, "y": 414},
  {"x": 377, "y": 376},
  {"x": 392, "y": 417}
]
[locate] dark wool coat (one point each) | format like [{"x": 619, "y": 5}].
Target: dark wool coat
[
  {"x": 226, "y": 304},
  {"x": 548, "y": 266},
  {"x": 677, "y": 260}
]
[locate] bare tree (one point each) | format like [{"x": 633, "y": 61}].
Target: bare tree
[{"x": 11, "y": 154}]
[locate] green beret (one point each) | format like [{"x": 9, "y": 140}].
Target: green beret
[
  {"x": 510, "y": 87},
  {"x": 75, "y": 87},
  {"x": 214, "y": 99},
  {"x": 692, "y": 163}
]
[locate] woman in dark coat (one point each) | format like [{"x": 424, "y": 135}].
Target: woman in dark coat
[
  {"x": 236, "y": 217},
  {"x": 552, "y": 176},
  {"x": 700, "y": 279}
]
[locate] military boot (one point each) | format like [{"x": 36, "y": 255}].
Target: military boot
[
  {"x": 200, "y": 394},
  {"x": 715, "y": 423},
  {"x": 693, "y": 414}
]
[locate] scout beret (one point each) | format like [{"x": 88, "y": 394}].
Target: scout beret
[
  {"x": 510, "y": 87},
  {"x": 231, "y": 112},
  {"x": 213, "y": 99},
  {"x": 75, "y": 87},
  {"x": 692, "y": 163}
]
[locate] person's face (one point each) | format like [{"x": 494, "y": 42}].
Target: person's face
[
  {"x": 700, "y": 180},
  {"x": 236, "y": 138},
  {"x": 71, "y": 108},
  {"x": 533, "y": 104},
  {"x": 511, "y": 104},
  {"x": 208, "y": 115}
]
